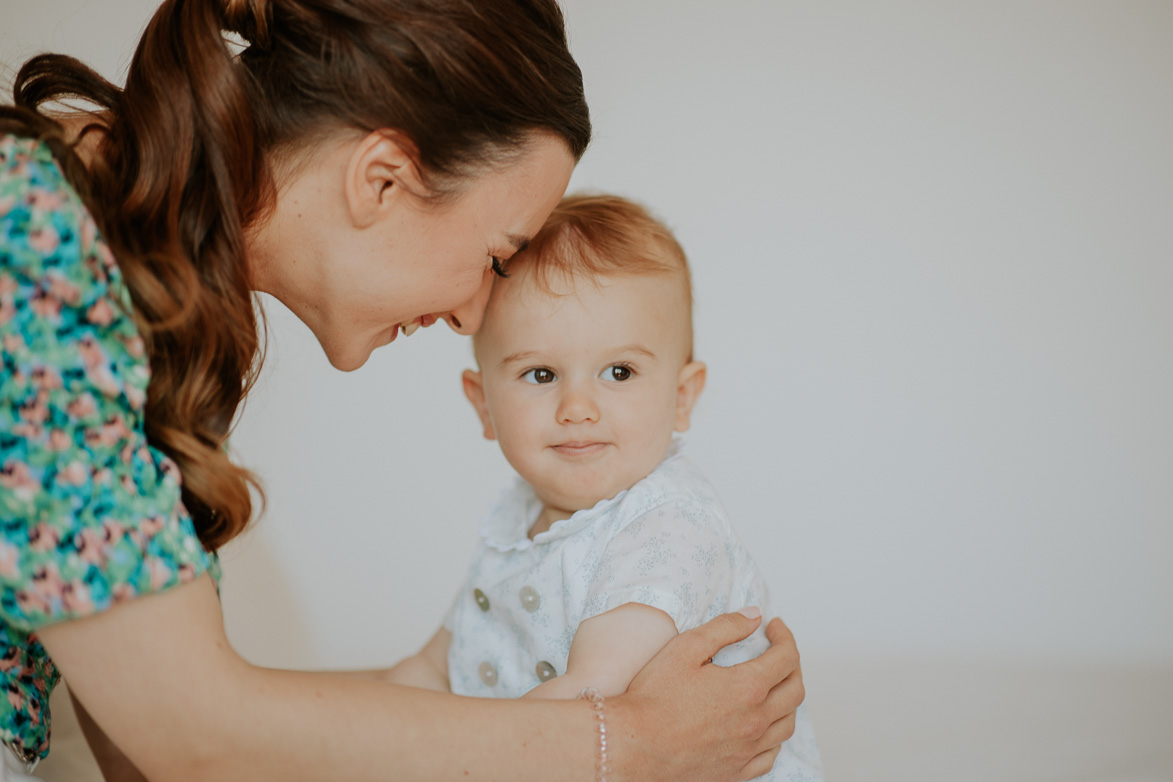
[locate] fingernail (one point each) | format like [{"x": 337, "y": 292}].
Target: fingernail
[{"x": 753, "y": 612}]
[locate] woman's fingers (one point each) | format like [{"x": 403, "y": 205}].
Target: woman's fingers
[
  {"x": 779, "y": 634},
  {"x": 778, "y": 732},
  {"x": 778, "y": 669},
  {"x": 760, "y": 765},
  {"x": 782, "y": 644},
  {"x": 780, "y": 661},
  {"x": 700, "y": 644},
  {"x": 786, "y": 696}
]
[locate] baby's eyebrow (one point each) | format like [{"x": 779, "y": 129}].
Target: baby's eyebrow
[
  {"x": 521, "y": 355},
  {"x": 636, "y": 349},
  {"x": 528, "y": 355}
]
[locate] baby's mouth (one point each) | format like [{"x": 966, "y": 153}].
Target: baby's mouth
[{"x": 579, "y": 447}]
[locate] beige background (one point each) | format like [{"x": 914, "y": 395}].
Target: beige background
[{"x": 933, "y": 249}]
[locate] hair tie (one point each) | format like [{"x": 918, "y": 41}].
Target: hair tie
[{"x": 249, "y": 19}]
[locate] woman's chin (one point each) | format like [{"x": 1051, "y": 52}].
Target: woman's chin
[
  {"x": 347, "y": 351},
  {"x": 348, "y": 358}
]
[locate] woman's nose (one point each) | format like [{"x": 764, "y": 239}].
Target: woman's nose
[
  {"x": 577, "y": 405},
  {"x": 466, "y": 318}
]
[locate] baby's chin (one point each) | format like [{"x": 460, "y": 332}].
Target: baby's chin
[
  {"x": 562, "y": 506},
  {"x": 569, "y": 496}
]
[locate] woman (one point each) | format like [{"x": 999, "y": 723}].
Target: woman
[{"x": 370, "y": 163}]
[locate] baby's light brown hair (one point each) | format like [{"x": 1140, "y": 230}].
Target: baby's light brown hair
[{"x": 593, "y": 236}]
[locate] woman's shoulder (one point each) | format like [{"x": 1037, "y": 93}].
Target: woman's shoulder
[
  {"x": 45, "y": 228},
  {"x": 28, "y": 173},
  {"x": 59, "y": 282}
]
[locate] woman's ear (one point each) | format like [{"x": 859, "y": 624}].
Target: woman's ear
[
  {"x": 383, "y": 169},
  {"x": 689, "y": 385},
  {"x": 474, "y": 389}
]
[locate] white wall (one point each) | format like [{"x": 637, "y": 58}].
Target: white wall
[{"x": 933, "y": 249}]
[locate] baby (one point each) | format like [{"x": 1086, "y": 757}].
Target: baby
[{"x": 611, "y": 542}]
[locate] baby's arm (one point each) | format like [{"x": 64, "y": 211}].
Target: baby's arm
[
  {"x": 428, "y": 668},
  {"x": 608, "y": 650}
]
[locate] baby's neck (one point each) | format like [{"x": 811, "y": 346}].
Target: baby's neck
[{"x": 546, "y": 519}]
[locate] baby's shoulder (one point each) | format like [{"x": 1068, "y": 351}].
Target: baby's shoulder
[{"x": 675, "y": 494}]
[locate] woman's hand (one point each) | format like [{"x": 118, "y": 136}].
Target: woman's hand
[{"x": 707, "y": 722}]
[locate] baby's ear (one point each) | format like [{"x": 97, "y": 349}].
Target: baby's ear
[
  {"x": 689, "y": 385},
  {"x": 474, "y": 389}
]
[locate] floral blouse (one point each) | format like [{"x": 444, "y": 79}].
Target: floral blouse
[{"x": 90, "y": 513}]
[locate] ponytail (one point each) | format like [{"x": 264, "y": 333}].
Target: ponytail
[
  {"x": 184, "y": 165},
  {"x": 176, "y": 176}
]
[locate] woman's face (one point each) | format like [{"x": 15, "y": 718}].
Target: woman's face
[{"x": 362, "y": 260}]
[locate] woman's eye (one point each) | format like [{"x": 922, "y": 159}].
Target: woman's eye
[
  {"x": 498, "y": 269},
  {"x": 539, "y": 376},
  {"x": 617, "y": 372}
]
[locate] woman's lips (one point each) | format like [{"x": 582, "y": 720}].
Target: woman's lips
[
  {"x": 578, "y": 448},
  {"x": 422, "y": 322}
]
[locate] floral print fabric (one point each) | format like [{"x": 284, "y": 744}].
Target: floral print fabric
[{"x": 90, "y": 513}]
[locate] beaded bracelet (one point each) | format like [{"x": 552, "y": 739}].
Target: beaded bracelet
[{"x": 599, "y": 706}]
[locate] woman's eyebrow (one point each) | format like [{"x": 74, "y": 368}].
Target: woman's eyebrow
[{"x": 519, "y": 242}]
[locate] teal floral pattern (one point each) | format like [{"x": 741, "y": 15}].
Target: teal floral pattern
[{"x": 90, "y": 513}]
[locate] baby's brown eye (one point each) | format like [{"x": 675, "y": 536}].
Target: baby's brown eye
[
  {"x": 539, "y": 376},
  {"x": 619, "y": 372}
]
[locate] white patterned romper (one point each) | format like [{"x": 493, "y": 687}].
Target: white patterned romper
[{"x": 666, "y": 542}]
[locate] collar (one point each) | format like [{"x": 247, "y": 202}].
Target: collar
[{"x": 506, "y": 526}]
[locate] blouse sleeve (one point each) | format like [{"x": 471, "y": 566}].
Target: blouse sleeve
[
  {"x": 675, "y": 557},
  {"x": 90, "y": 513}
]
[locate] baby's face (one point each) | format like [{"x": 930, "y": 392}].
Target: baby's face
[{"x": 583, "y": 390}]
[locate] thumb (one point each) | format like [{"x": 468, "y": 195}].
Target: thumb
[{"x": 713, "y": 636}]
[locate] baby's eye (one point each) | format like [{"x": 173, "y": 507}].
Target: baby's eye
[
  {"x": 617, "y": 373},
  {"x": 539, "y": 376}
]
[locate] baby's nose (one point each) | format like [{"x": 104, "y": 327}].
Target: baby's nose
[{"x": 577, "y": 406}]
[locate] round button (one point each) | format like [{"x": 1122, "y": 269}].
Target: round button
[
  {"x": 482, "y": 601},
  {"x": 530, "y": 599},
  {"x": 488, "y": 674},
  {"x": 545, "y": 671}
]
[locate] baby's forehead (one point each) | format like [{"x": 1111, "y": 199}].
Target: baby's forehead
[
  {"x": 525, "y": 306},
  {"x": 561, "y": 281}
]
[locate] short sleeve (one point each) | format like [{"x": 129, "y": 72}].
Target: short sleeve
[
  {"x": 449, "y": 620},
  {"x": 90, "y": 513},
  {"x": 675, "y": 557}
]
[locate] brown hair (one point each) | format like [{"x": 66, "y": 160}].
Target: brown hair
[
  {"x": 184, "y": 164},
  {"x": 595, "y": 236},
  {"x": 601, "y": 235}
]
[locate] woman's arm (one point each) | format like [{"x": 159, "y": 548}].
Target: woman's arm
[
  {"x": 428, "y": 668},
  {"x": 114, "y": 765},
  {"x": 159, "y": 677}
]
